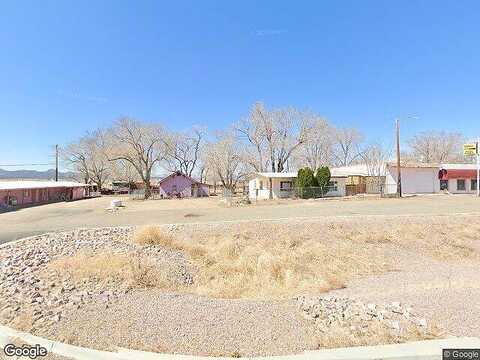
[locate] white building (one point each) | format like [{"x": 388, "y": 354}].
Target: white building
[
  {"x": 458, "y": 178},
  {"x": 418, "y": 178},
  {"x": 269, "y": 185}
]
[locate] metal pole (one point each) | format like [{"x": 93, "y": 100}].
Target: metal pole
[
  {"x": 478, "y": 169},
  {"x": 399, "y": 174},
  {"x": 270, "y": 195},
  {"x": 56, "y": 162}
]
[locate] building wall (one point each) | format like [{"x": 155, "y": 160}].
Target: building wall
[
  {"x": 78, "y": 193},
  {"x": 414, "y": 180},
  {"x": 452, "y": 187},
  {"x": 341, "y": 187},
  {"x": 259, "y": 188},
  {"x": 179, "y": 185},
  {"x": 41, "y": 196}
]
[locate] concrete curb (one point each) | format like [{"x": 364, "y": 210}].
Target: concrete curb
[{"x": 424, "y": 350}]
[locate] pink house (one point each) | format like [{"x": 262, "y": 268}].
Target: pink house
[
  {"x": 181, "y": 185},
  {"x": 19, "y": 193}
]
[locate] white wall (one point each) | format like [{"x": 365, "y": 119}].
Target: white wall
[
  {"x": 254, "y": 191},
  {"x": 414, "y": 180},
  {"x": 452, "y": 187},
  {"x": 341, "y": 187}
]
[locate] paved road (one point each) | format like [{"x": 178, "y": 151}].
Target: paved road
[{"x": 92, "y": 213}]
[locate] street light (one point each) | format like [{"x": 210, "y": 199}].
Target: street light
[{"x": 399, "y": 173}]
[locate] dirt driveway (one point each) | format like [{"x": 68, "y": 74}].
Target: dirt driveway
[{"x": 93, "y": 213}]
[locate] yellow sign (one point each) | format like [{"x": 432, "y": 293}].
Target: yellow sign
[{"x": 469, "y": 149}]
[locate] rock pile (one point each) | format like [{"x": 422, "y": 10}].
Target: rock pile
[
  {"x": 32, "y": 297},
  {"x": 356, "y": 316}
]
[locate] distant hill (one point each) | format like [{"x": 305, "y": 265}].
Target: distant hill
[{"x": 34, "y": 174}]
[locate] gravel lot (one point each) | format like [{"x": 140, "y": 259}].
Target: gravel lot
[
  {"x": 188, "y": 324},
  {"x": 446, "y": 293},
  {"x": 108, "y": 315}
]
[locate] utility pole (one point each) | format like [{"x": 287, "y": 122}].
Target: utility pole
[
  {"x": 399, "y": 173},
  {"x": 56, "y": 162},
  {"x": 478, "y": 167}
]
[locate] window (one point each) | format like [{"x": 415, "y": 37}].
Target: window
[
  {"x": 26, "y": 193},
  {"x": 443, "y": 184},
  {"x": 286, "y": 185},
  {"x": 333, "y": 186},
  {"x": 260, "y": 185},
  {"x": 473, "y": 184},
  {"x": 461, "y": 184}
]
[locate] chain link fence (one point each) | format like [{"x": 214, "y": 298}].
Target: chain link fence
[
  {"x": 139, "y": 194},
  {"x": 315, "y": 192}
]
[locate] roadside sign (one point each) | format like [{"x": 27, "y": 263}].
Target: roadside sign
[{"x": 470, "y": 149}]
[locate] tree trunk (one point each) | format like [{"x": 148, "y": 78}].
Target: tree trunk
[
  {"x": 279, "y": 167},
  {"x": 148, "y": 187}
]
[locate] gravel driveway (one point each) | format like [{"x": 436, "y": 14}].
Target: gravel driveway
[
  {"x": 446, "y": 293},
  {"x": 190, "y": 324}
]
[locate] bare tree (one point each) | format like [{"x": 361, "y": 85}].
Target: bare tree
[
  {"x": 183, "y": 151},
  {"x": 254, "y": 130},
  {"x": 436, "y": 147},
  {"x": 225, "y": 162},
  {"x": 274, "y": 135},
  {"x": 140, "y": 144},
  {"x": 124, "y": 171},
  {"x": 100, "y": 169},
  {"x": 347, "y": 146},
  {"x": 75, "y": 157},
  {"x": 375, "y": 157},
  {"x": 318, "y": 149},
  {"x": 87, "y": 157}
]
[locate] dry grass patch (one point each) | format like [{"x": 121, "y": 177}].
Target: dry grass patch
[
  {"x": 275, "y": 259},
  {"x": 101, "y": 266},
  {"x": 440, "y": 238},
  {"x": 276, "y": 266},
  {"x": 132, "y": 270},
  {"x": 152, "y": 235}
]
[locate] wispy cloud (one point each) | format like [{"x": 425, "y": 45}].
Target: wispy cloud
[
  {"x": 82, "y": 96},
  {"x": 269, "y": 32}
]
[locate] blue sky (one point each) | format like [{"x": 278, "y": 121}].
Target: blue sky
[{"x": 68, "y": 67}]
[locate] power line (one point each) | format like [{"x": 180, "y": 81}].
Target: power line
[{"x": 5, "y": 165}]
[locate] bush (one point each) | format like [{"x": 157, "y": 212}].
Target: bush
[
  {"x": 305, "y": 181},
  {"x": 153, "y": 235},
  {"x": 323, "y": 178}
]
